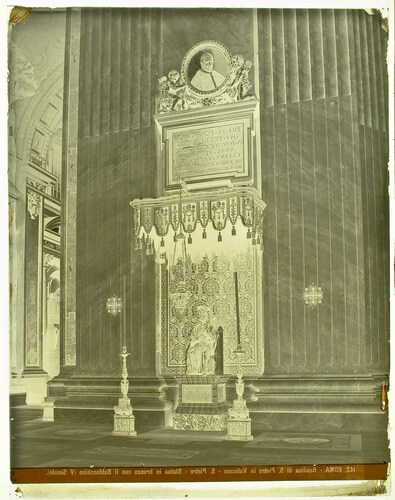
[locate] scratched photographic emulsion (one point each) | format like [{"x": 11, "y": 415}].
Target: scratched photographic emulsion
[{"x": 199, "y": 244}]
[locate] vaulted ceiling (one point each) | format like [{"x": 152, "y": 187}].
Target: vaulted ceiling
[{"x": 36, "y": 71}]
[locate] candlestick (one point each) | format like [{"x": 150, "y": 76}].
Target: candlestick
[
  {"x": 121, "y": 332},
  {"x": 123, "y": 411},
  {"x": 237, "y": 308},
  {"x": 124, "y": 311},
  {"x": 124, "y": 382},
  {"x": 239, "y": 422}
]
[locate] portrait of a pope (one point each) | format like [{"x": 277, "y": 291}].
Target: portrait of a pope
[
  {"x": 206, "y": 77},
  {"x": 200, "y": 359}
]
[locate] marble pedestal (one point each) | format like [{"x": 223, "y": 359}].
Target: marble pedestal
[
  {"x": 202, "y": 403},
  {"x": 239, "y": 422},
  {"x": 36, "y": 388},
  {"x": 124, "y": 425},
  {"x": 48, "y": 410},
  {"x": 239, "y": 430},
  {"x": 124, "y": 418}
]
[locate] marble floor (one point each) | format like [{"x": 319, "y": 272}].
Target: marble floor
[{"x": 35, "y": 443}]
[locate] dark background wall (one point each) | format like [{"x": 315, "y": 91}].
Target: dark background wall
[
  {"x": 116, "y": 163},
  {"x": 324, "y": 154},
  {"x": 324, "y": 158}
]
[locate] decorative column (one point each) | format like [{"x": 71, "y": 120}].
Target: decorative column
[
  {"x": 16, "y": 279},
  {"x": 51, "y": 313},
  {"x": 36, "y": 377},
  {"x": 68, "y": 323},
  {"x": 33, "y": 276}
]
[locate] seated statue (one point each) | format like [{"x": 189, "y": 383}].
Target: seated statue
[{"x": 200, "y": 358}]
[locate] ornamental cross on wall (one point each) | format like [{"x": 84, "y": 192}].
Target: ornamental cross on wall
[
  {"x": 114, "y": 305},
  {"x": 313, "y": 295}
]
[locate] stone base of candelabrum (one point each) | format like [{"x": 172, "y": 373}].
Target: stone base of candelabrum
[
  {"x": 124, "y": 419},
  {"x": 239, "y": 422}
]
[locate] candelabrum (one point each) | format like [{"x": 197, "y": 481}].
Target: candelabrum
[
  {"x": 239, "y": 422},
  {"x": 124, "y": 418}
]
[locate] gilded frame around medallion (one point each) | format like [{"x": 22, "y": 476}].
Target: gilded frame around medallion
[{"x": 222, "y": 64}]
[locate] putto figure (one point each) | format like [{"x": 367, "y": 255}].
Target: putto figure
[
  {"x": 207, "y": 78},
  {"x": 203, "y": 342}
]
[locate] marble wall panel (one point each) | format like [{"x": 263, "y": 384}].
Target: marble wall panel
[
  {"x": 116, "y": 163},
  {"x": 324, "y": 178}
]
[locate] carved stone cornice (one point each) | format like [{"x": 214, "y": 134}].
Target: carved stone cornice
[
  {"x": 51, "y": 245},
  {"x": 43, "y": 184},
  {"x": 318, "y": 393},
  {"x": 37, "y": 185}
]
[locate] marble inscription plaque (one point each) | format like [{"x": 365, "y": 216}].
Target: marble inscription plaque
[
  {"x": 209, "y": 151},
  {"x": 197, "y": 393}
]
